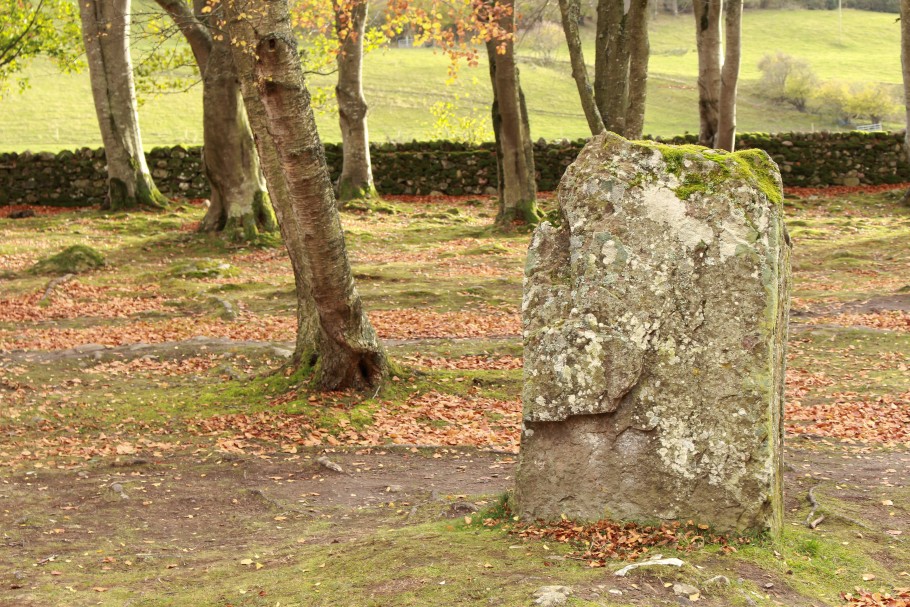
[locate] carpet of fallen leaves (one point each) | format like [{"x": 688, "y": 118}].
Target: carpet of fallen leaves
[
  {"x": 112, "y": 308},
  {"x": 431, "y": 419},
  {"x": 863, "y": 598},
  {"x": 849, "y": 417},
  {"x": 890, "y": 320},
  {"x": 77, "y": 300},
  {"x": 7, "y": 210},
  {"x": 389, "y": 324},
  {"x": 486, "y": 363},
  {"x": 603, "y": 541}
]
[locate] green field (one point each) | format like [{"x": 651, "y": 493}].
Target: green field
[{"x": 402, "y": 84}]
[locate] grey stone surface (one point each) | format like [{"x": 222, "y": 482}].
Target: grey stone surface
[
  {"x": 686, "y": 590},
  {"x": 654, "y": 330},
  {"x": 551, "y": 596}
]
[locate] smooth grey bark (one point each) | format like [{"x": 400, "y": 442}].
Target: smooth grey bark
[
  {"x": 639, "y": 54},
  {"x": 515, "y": 152},
  {"x": 613, "y": 80},
  {"x": 621, "y": 64},
  {"x": 240, "y": 207},
  {"x": 905, "y": 71},
  {"x": 708, "y": 42},
  {"x": 601, "y": 37},
  {"x": 356, "y": 179},
  {"x": 729, "y": 76},
  {"x": 106, "y": 34},
  {"x": 335, "y": 339},
  {"x": 571, "y": 12}
]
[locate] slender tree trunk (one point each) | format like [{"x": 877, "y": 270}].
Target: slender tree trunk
[
  {"x": 707, "y": 38},
  {"x": 240, "y": 206},
  {"x": 905, "y": 70},
  {"x": 106, "y": 33},
  {"x": 518, "y": 187},
  {"x": 334, "y": 338},
  {"x": 639, "y": 54},
  {"x": 674, "y": 7},
  {"x": 570, "y": 11},
  {"x": 621, "y": 65},
  {"x": 613, "y": 109},
  {"x": 726, "y": 124},
  {"x": 601, "y": 35},
  {"x": 356, "y": 180}
]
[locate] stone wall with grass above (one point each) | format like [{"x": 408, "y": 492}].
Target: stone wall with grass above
[{"x": 77, "y": 178}]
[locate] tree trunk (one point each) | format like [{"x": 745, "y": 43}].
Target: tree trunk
[
  {"x": 613, "y": 109},
  {"x": 240, "y": 206},
  {"x": 674, "y": 7},
  {"x": 639, "y": 53},
  {"x": 356, "y": 180},
  {"x": 106, "y": 33},
  {"x": 334, "y": 338},
  {"x": 601, "y": 31},
  {"x": 621, "y": 65},
  {"x": 905, "y": 71},
  {"x": 517, "y": 184},
  {"x": 726, "y": 123},
  {"x": 707, "y": 38},
  {"x": 570, "y": 11}
]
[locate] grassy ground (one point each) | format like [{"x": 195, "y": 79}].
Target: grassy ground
[
  {"x": 401, "y": 85},
  {"x": 168, "y": 453}
]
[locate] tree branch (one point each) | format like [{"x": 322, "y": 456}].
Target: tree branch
[{"x": 195, "y": 32}]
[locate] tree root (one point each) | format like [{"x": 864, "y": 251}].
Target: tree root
[
  {"x": 810, "y": 523},
  {"x": 53, "y": 284}
]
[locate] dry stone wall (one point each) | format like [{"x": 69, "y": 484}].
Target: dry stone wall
[{"x": 74, "y": 178}]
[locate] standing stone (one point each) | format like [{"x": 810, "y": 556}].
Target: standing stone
[{"x": 655, "y": 323}]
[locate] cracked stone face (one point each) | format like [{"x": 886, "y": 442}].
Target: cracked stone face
[{"x": 655, "y": 323}]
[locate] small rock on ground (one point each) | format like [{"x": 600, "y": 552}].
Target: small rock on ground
[
  {"x": 681, "y": 589},
  {"x": 551, "y": 596}
]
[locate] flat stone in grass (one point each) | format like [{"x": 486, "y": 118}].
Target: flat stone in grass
[{"x": 655, "y": 324}]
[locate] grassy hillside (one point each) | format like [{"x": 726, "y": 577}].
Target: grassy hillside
[{"x": 402, "y": 84}]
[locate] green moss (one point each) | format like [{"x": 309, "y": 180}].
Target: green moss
[
  {"x": 203, "y": 268},
  {"x": 372, "y": 204},
  {"x": 71, "y": 260},
  {"x": 753, "y": 166},
  {"x": 349, "y": 192}
]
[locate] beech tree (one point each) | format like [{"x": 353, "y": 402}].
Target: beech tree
[
  {"x": 106, "y": 35},
  {"x": 729, "y": 76},
  {"x": 356, "y": 179},
  {"x": 517, "y": 184},
  {"x": 341, "y": 38},
  {"x": 240, "y": 207},
  {"x": 615, "y": 101},
  {"x": 334, "y": 336},
  {"x": 717, "y": 74}
]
